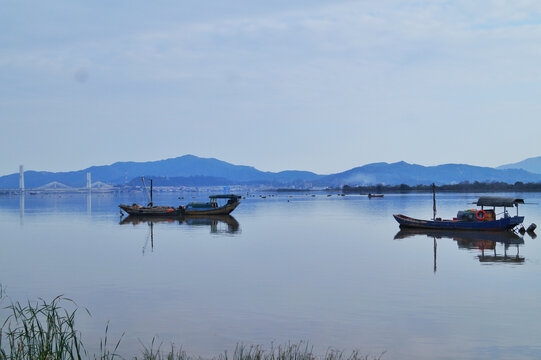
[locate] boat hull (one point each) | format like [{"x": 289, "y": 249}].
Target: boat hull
[
  {"x": 222, "y": 210},
  {"x": 507, "y": 223},
  {"x": 157, "y": 211}
]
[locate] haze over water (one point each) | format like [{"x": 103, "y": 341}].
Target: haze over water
[{"x": 290, "y": 267}]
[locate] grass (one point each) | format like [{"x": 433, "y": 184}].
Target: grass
[
  {"x": 291, "y": 351},
  {"x": 46, "y": 331}
]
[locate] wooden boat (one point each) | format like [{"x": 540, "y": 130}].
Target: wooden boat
[
  {"x": 473, "y": 219},
  {"x": 167, "y": 211},
  {"x": 150, "y": 209},
  {"x": 212, "y": 207}
]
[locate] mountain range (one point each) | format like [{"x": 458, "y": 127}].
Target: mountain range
[
  {"x": 532, "y": 165},
  {"x": 190, "y": 170}
]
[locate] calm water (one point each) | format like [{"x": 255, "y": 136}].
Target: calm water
[{"x": 324, "y": 269}]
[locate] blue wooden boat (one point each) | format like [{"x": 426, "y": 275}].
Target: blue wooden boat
[{"x": 473, "y": 219}]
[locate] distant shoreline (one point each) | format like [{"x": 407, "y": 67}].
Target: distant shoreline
[
  {"x": 466, "y": 187},
  {"x": 452, "y": 188},
  {"x": 474, "y": 187}
]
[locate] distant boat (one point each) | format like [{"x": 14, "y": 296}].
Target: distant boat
[
  {"x": 212, "y": 207},
  {"x": 473, "y": 219},
  {"x": 375, "y": 196}
]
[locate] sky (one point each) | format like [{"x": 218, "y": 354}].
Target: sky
[{"x": 309, "y": 85}]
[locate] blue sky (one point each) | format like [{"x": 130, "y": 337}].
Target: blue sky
[{"x": 315, "y": 85}]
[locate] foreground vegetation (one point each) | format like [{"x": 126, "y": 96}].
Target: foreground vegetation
[{"x": 46, "y": 331}]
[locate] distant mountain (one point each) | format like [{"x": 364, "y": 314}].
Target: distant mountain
[
  {"x": 182, "y": 181},
  {"x": 411, "y": 174},
  {"x": 184, "y": 166},
  {"x": 532, "y": 165},
  {"x": 190, "y": 170}
]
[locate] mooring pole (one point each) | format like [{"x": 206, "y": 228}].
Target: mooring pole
[{"x": 434, "y": 199}]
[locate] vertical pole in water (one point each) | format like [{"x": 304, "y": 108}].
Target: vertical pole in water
[
  {"x": 151, "y": 203},
  {"x": 434, "y": 199}
]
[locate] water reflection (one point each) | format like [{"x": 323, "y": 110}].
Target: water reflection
[
  {"x": 21, "y": 208},
  {"x": 89, "y": 203},
  {"x": 485, "y": 242},
  {"x": 214, "y": 221}
]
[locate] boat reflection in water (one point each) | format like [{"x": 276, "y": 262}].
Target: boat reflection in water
[
  {"x": 485, "y": 242},
  {"x": 219, "y": 224},
  {"x": 214, "y": 222},
  {"x": 196, "y": 220}
]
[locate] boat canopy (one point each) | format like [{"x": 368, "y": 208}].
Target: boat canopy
[
  {"x": 230, "y": 196},
  {"x": 498, "y": 201}
]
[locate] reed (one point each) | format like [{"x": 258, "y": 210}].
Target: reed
[
  {"x": 46, "y": 331},
  {"x": 154, "y": 352},
  {"x": 292, "y": 351}
]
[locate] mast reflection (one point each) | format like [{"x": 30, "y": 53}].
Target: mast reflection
[
  {"x": 213, "y": 221},
  {"x": 485, "y": 242},
  {"x": 232, "y": 226}
]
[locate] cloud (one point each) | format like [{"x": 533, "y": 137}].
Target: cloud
[
  {"x": 81, "y": 75},
  {"x": 328, "y": 72}
]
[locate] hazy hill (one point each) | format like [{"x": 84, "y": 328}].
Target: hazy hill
[
  {"x": 532, "y": 165},
  {"x": 183, "y": 166},
  {"x": 182, "y": 181},
  {"x": 411, "y": 174},
  {"x": 191, "y": 170}
]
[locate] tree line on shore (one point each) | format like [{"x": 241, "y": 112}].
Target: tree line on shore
[{"x": 460, "y": 187}]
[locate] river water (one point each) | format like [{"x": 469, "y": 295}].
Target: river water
[{"x": 330, "y": 270}]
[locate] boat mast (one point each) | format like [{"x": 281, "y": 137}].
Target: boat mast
[
  {"x": 434, "y": 199},
  {"x": 146, "y": 190},
  {"x": 151, "y": 203}
]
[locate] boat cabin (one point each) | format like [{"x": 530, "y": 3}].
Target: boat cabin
[
  {"x": 489, "y": 214},
  {"x": 213, "y": 202},
  {"x": 231, "y": 199}
]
